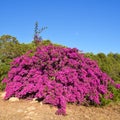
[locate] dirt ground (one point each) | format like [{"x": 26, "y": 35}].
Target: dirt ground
[{"x": 28, "y": 110}]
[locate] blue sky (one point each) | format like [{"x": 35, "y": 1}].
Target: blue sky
[{"x": 89, "y": 25}]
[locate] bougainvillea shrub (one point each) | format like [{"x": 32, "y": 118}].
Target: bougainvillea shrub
[{"x": 58, "y": 75}]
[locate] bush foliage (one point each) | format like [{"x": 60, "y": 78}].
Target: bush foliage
[
  {"x": 58, "y": 75},
  {"x": 10, "y": 48}
]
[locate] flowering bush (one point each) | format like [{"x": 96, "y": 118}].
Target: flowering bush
[{"x": 58, "y": 75}]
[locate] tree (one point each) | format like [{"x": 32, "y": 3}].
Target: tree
[
  {"x": 9, "y": 49},
  {"x": 37, "y": 37},
  {"x": 8, "y": 45}
]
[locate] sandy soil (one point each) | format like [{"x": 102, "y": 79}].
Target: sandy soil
[{"x": 28, "y": 110}]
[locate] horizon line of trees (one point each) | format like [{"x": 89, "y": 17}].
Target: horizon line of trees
[{"x": 11, "y": 48}]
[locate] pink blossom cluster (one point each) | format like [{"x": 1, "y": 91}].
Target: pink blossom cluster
[{"x": 58, "y": 75}]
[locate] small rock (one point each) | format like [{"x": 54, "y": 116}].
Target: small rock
[
  {"x": 19, "y": 110},
  {"x": 31, "y": 108},
  {"x": 25, "y": 111},
  {"x": 3, "y": 95},
  {"x": 87, "y": 117},
  {"x": 41, "y": 103},
  {"x": 13, "y": 99},
  {"x": 31, "y": 113},
  {"x": 34, "y": 100},
  {"x": 28, "y": 118},
  {"x": 51, "y": 118}
]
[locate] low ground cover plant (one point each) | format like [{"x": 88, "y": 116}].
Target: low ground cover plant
[{"x": 58, "y": 75}]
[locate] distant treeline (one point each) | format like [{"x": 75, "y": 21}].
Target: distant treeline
[{"x": 11, "y": 48}]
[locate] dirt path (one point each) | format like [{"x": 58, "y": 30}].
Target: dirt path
[{"x": 27, "y": 110}]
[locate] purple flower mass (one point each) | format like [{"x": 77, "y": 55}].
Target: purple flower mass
[{"x": 58, "y": 75}]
